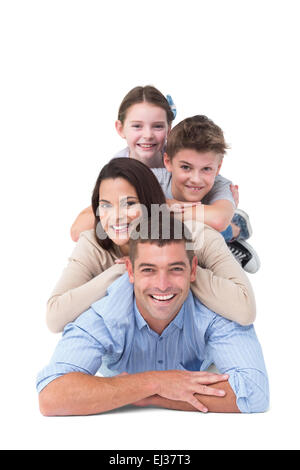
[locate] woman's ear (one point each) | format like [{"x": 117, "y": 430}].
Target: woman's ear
[{"x": 119, "y": 129}]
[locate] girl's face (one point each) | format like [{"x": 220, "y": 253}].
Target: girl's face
[
  {"x": 145, "y": 129},
  {"x": 118, "y": 208}
]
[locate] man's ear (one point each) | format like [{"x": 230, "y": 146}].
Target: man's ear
[
  {"x": 129, "y": 268},
  {"x": 119, "y": 129},
  {"x": 167, "y": 162},
  {"x": 194, "y": 268}
]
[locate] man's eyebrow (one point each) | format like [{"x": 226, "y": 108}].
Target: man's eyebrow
[{"x": 176, "y": 263}]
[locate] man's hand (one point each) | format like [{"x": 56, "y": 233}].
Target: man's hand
[{"x": 182, "y": 385}]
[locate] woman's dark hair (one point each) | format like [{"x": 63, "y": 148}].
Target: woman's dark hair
[
  {"x": 139, "y": 176},
  {"x": 145, "y": 94}
]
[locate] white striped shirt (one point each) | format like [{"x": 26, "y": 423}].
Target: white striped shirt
[{"x": 112, "y": 335}]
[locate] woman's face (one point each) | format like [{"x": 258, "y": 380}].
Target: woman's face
[{"x": 118, "y": 208}]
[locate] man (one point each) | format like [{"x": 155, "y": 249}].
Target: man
[{"x": 158, "y": 341}]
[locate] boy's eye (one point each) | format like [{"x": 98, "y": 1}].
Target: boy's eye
[
  {"x": 185, "y": 167},
  {"x": 207, "y": 168},
  {"x": 136, "y": 125},
  {"x": 159, "y": 126}
]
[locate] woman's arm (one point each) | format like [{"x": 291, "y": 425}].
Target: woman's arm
[
  {"x": 84, "y": 221},
  {"x": 84, "y": 280},
  {"x": 221, "y": 284}
]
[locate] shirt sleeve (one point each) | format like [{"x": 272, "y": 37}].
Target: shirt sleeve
[
  {"x": 221, "y": 283},
  {"x": 77, "y": 351},
  {"x": 220, "y": 190},
  {"x": 235, "y": 350}
]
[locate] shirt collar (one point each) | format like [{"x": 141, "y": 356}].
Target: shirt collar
[{"x": 141, "y": 322}]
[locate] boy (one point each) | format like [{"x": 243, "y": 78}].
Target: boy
[{"x": 193, "y": 159}]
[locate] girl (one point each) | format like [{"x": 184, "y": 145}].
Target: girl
[{"x": 121, "y": 190}]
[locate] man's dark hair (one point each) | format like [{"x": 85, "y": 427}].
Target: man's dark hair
[{"x": 161, "y": 231}]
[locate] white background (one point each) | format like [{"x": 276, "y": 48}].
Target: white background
[{"x": 65, "y": 67}]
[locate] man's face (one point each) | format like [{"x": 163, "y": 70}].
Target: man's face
[
  {"x": 161, "y": 277},
  {"x": 193, "y": 173}
]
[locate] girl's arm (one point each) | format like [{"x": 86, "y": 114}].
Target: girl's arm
[
  {"x": 221, "y": 284},
  {"x": 85, "y": 279},
  {"x": 84, "y": 221}
]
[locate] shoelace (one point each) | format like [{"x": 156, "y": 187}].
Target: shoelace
[{"x": 237, "y": 253}]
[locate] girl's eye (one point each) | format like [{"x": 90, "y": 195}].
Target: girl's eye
[
  {"x": 159, "y": 126},
  {"x": 136, "y": 126}
]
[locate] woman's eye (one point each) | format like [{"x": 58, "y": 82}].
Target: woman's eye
[{"x": 104, "y": 205}]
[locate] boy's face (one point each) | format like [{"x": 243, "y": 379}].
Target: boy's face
[{"x": 193, "y": 173}]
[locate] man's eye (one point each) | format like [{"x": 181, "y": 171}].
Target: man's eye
[
  {"x": 147, "y": 270},
  {"x": 177, "y": 269}
]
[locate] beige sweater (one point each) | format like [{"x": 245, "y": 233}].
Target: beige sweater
[{"x": 221, "y": 283}]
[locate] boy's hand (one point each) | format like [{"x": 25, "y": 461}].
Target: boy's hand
[{"x": 235, "y": 193}]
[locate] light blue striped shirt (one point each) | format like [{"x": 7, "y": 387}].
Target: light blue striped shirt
[{"x": 113, "y": 336}]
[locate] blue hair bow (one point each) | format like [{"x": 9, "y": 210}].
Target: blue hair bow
[{"x": 172, "y": 105}]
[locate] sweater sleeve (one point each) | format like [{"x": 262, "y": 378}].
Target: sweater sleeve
[
  {"x": 221, "y": 284},
  {"x": 85, "y": 279}
]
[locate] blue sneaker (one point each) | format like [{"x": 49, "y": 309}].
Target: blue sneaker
[{"x": 241, "y": 219}]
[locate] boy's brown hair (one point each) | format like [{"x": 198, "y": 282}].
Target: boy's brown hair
[{"x": 197, "y": 133}]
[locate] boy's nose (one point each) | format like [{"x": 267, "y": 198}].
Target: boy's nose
[{"x": 195, "y": 177}]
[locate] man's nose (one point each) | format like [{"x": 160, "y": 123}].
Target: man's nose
[{"x": 163, "y": 282}]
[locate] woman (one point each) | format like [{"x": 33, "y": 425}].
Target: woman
[{"x": 124, "y": 190}]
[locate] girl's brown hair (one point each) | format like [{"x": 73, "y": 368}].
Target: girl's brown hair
[
  {"x": 139, "y": 176},
  {"x": 145, "y": 94}
]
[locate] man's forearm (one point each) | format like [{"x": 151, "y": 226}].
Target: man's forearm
[{"x": 81, "y": 394}]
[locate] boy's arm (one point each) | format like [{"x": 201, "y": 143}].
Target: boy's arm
[
  {"x": 84, "y": 221},
  {"x": 217, "y": 215}
]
